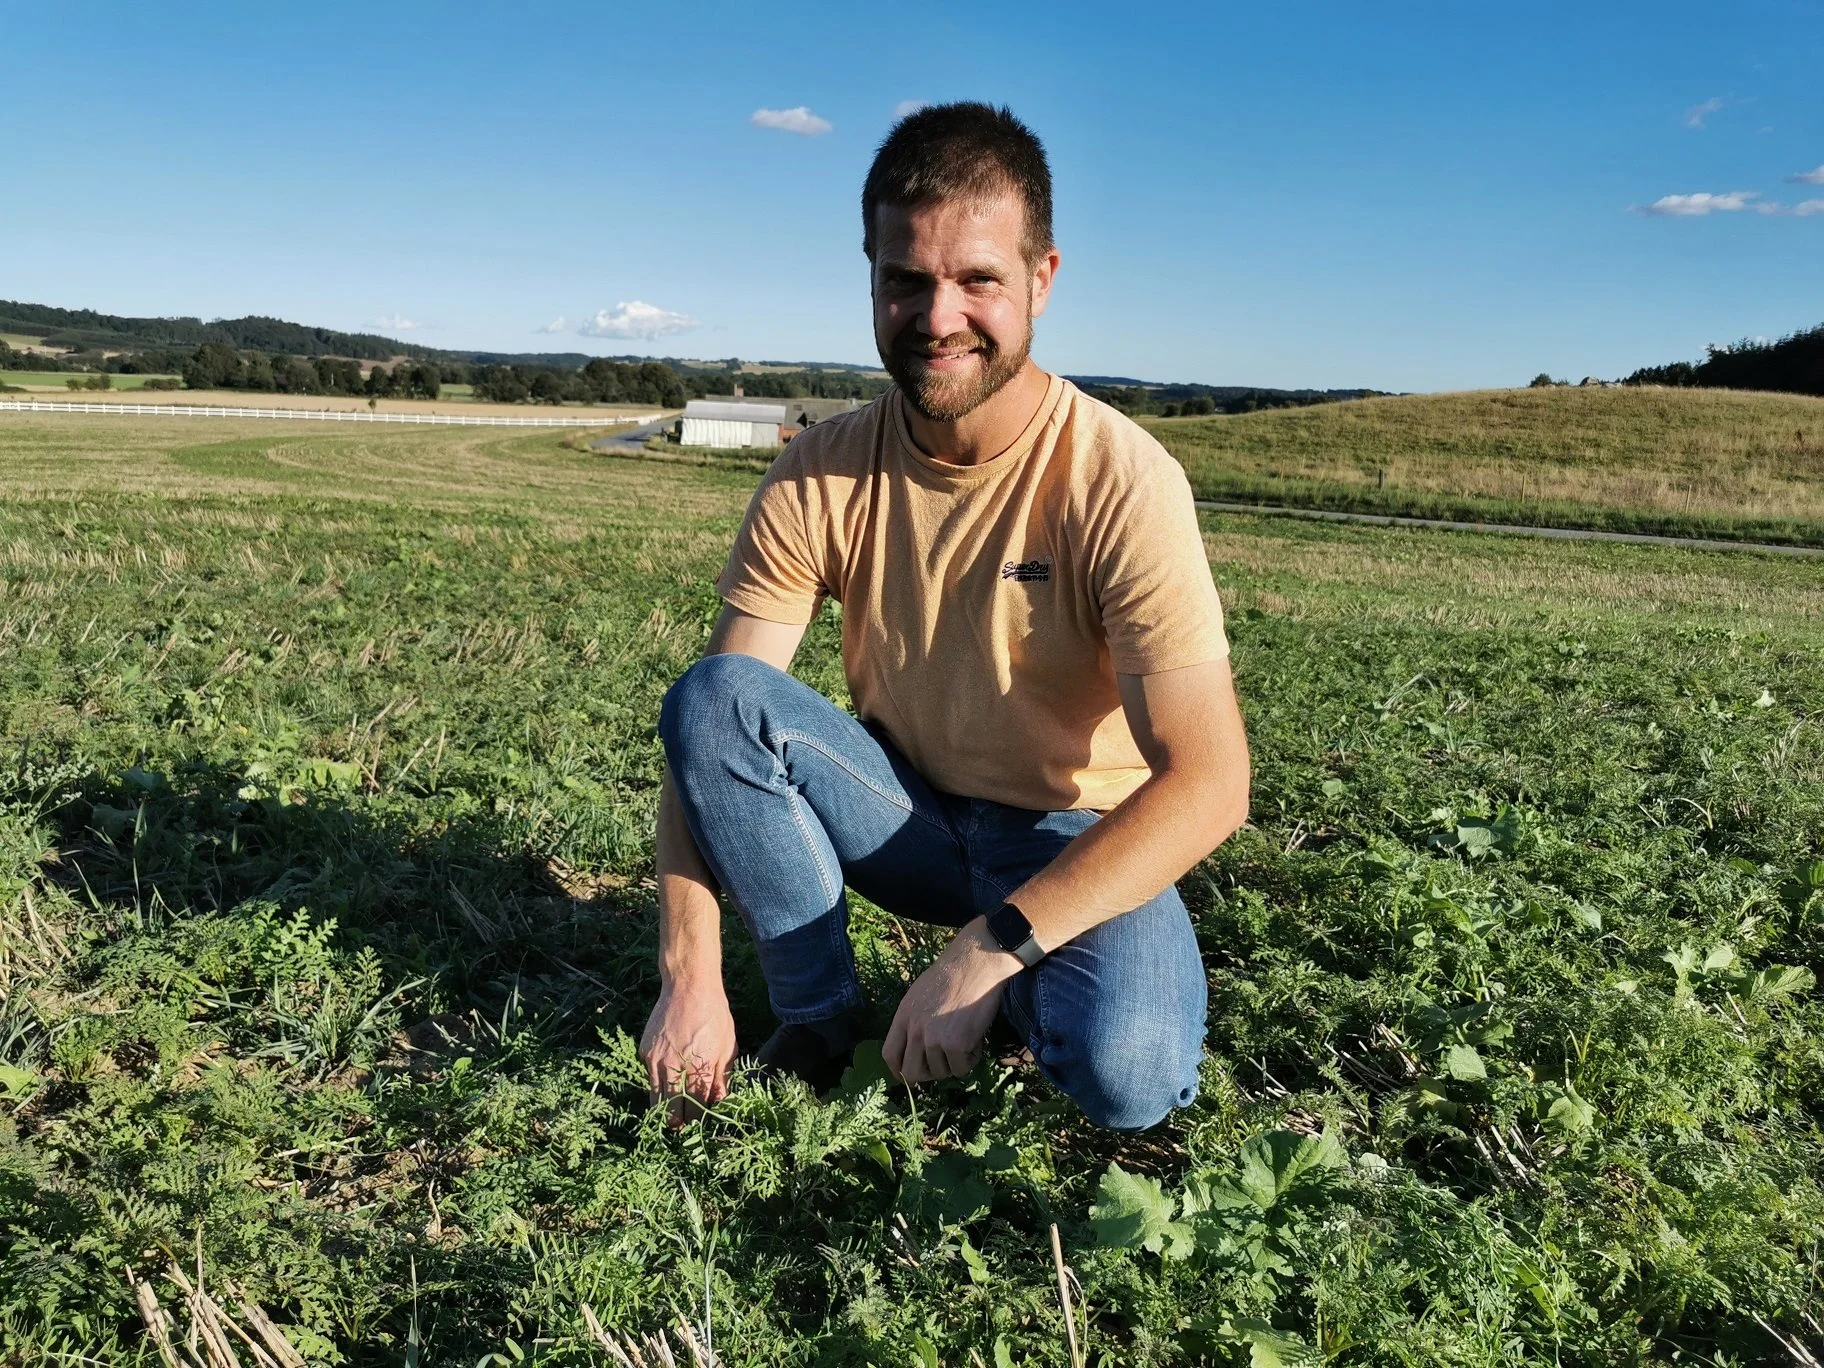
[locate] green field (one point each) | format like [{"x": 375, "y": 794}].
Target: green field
[
  {"x": 59, "y": 380},
  {"x": 1701, "y": 462},
  {"x": 326, "y": 924}
]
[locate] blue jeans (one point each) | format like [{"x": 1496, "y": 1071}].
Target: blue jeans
[{"x": 790, "y": 798}]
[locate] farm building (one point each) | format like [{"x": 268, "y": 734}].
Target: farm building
[{"x": 730, "y": 423}]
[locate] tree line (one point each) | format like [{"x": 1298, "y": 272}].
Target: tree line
[
  {"x": 603, "y": 381},
  {"x": 213, "y": 366},
  {"x": 1190, "y": 401},
  {"x": 1792, "y": 365}
]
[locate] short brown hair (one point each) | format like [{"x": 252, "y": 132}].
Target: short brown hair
[{"x": 955, "y": 151}]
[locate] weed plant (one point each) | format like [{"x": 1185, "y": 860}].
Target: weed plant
[{"x": 326, "y": 933}]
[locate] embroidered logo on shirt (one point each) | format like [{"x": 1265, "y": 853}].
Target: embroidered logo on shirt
[{"x": 1026, "y": 571}]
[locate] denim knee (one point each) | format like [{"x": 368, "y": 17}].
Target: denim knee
[
  {"x": 704, "y": 699},
  {"x": 1133, "y": 1084}
]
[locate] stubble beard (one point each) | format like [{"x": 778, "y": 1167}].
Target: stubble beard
[{"x": 946, "y": 398}]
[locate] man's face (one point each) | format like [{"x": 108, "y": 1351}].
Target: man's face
[{"x": 954, "y": 299}]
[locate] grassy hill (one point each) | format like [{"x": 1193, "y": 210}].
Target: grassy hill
[{"x": 1705, "y": 462}]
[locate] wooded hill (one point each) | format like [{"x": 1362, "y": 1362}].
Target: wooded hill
[{"x": 1792, "y": 365}]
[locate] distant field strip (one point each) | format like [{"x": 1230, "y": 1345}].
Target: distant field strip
[
  {"x": 321, "y": 415},
  {"x": 1510, "y": 529}
]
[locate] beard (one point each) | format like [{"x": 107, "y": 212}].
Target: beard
[{"x": 946, "y": 397}]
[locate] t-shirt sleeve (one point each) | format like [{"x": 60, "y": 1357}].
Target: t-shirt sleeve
[
  {"x": 771, "y": 571},
  {"x": 1158, "y": 601}
]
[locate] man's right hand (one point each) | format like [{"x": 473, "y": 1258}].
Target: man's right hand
[{"x": 688, "y": 1047}]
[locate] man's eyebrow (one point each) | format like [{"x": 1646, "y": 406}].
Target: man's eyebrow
[{"x": 902, "y": 268}]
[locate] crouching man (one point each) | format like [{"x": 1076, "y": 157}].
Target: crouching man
[{"x": 1046, "y": 733}]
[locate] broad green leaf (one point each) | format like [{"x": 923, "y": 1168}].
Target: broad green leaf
[
  {"x": 1271, "y": 1348},
  {"x": 949, "y": 1190},
  {"x": 1333, "y": 788},
  {"x": 15, "y": 1081},
  {"x": 1133, "y": 1212},
  {"x": 865, "y": 1070},
  {"x": 1274, "y": 1163},
  {"x": 1721, "y": 957},
  {"x": 1464, "y": 1064},
  {"x": 1775, "y": 981},
  {"x": 1432, "y": 1095},
  {"x": 1683, "y": 959},
  {"x": 1003, "y": 1356},
  {"x": 1212, "y": 1192},
  {"x": 1570, "y": 1114}
]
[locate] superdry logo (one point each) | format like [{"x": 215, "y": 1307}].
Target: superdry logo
[{"x": 1026, "y": 571}]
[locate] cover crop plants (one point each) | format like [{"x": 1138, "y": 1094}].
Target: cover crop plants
[{"x": 326, "y": 932}]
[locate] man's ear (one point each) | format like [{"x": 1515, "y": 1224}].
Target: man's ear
[{"x": 1044, "y": 270}]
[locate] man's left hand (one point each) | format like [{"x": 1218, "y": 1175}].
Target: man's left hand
[{"x": 943, "y": 1019}]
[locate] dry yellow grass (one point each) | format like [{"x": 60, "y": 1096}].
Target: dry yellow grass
[
  {"x": 1641, "y": 454},
  {"x": 440, "y": 469}
]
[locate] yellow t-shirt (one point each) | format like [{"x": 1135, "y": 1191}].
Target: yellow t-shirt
[{"x": 988, "y": 608}]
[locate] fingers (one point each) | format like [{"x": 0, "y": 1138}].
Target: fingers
[
  {"x": 893, "y": 1049},
  {"x": 958, "y": 1063}
]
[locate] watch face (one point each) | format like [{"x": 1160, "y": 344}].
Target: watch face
[{"x": 1009, "y": 927}]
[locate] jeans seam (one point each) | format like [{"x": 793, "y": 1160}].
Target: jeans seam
[
  {"x": 860, "y": 778},
  {"x": 810, "y": 846}
]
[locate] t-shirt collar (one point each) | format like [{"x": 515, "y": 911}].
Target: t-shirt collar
[{"x": 994, "y": 465}]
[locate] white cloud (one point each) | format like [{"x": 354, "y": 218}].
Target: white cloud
[
  {"x": 397, "y": 323},
  {"x": 905, "y": 107},
  {"x": 556, "y": 325},
  {"x": 1695, "y": 116},
  {"x": 799, "y": 120},
  {"x": 1702, "y": 203},
  {"x": 633, "y": 318},
  {"x": 1807, "y": 177},
  {"x": 1807, "y": 208}
]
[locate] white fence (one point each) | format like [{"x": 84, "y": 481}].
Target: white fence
[{"x": 324, "y": 415}]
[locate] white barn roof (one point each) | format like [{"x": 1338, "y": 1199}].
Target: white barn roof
[{"x": 733, "y": 412}]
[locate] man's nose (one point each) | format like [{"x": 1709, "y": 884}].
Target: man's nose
[{"x": 944, "y": 314}]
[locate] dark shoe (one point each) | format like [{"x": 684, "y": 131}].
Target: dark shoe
[{"x": 816, "y": 1051}]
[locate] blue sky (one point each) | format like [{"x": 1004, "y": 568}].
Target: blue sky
[{"x": 1405, "y": 196}]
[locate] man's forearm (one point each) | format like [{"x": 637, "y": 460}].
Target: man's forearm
[
  {"x": 690, "y": 919},
  {"x": 1160, "y": 832}
]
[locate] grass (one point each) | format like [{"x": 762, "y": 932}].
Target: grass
[
  {"x": 325, "y": 933},
  {"x": 58, "y": 380},
  {"x": 1698, "y": 462}
]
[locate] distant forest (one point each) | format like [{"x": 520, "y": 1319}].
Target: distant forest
[
  {"x": 1793, "y": 365},
  {"x": 270, "y": 355},
  {"x": 1175, "y": 401}
]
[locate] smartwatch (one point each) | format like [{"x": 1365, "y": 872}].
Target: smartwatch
[{"x": 1013, "y": 933}]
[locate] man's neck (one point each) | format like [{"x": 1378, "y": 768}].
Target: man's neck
[{"x": 985, "y": 432}]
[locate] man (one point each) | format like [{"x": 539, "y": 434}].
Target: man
[{"x": 1047, "y": 734}]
